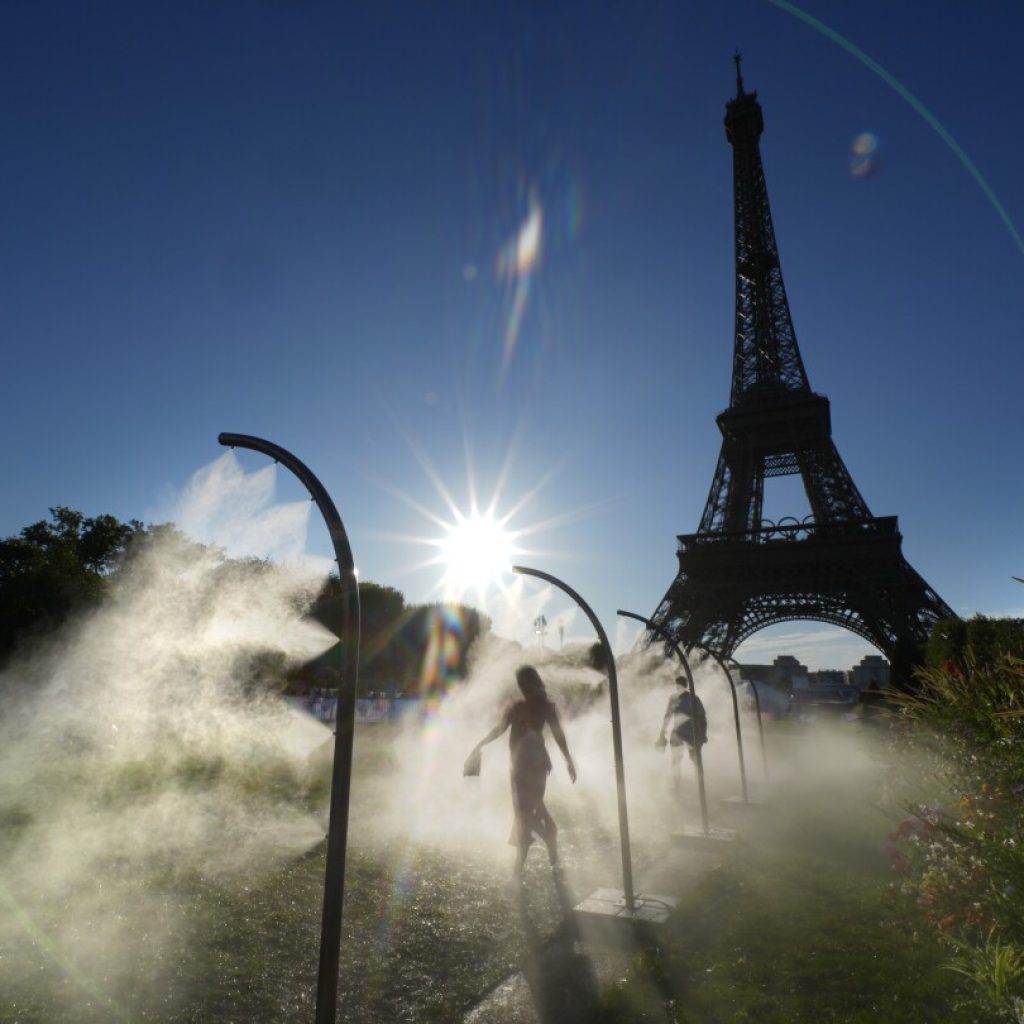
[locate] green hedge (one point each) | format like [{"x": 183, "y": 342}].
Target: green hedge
[{"x": 980, "y": 641}]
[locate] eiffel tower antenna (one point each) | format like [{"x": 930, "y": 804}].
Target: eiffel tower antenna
[{"x": 741, "y": 572}]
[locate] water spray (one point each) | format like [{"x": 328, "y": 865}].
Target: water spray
[
  {"x": 341, "y": 773},
  {"x": 698, "y": 758},
  {"x": 760, "y": 721},
  {"x": 736, "y": 717},
  {"x": 608, "y": 904},
  {"x": 613, "y": 693}
]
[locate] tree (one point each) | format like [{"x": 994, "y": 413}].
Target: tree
[
  {"x": 439, "y": 637},
  {"x": 381, "y": 614},
  {"x": 54, "y": 568},
  {"x": 415, "y": 647}
]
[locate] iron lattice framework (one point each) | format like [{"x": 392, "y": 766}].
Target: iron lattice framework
[{"x": 840, "y": 565}]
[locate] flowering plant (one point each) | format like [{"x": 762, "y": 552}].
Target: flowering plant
[{"x": 963, "y": 860}]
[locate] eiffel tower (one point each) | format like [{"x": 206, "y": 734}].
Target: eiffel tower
[{"x": 841, "y": 565}]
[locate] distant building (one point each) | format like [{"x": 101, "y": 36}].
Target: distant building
[
  {"x": 825, "y": 689},
  {"x": 789, "y": 674},
  {"x": 828, "y": 686},
  {"x": 785, "y": 674},
  {"x": 750, "y": 673},
  {"x": 873, "y": 668},
  {"x": 829, "y": 677}
]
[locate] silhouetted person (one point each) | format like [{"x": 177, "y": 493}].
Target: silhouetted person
[
  {"x": 875, "y": 707},
  {"x": 689, "y": 724},
  {"x": 530, "y": 763}
]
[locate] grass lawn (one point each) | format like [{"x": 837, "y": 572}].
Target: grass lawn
[
  {"x": 797, "y": 921},
  {"x": 145, "y": 940},
  {"x": 801, "y": 920}
]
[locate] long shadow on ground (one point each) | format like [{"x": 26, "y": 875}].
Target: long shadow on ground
[{"x": 561, "y": 978}]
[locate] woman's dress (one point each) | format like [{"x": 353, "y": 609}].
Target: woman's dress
[{"x": 530, "y": 766}]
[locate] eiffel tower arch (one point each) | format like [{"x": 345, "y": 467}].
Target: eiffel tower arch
[{"x": 741, "y": 572}]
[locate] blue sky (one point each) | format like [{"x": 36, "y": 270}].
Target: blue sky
[{"x": 285, "y": 218}]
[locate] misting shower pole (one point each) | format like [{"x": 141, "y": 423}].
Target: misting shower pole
[
  {"x": 735, "y": 715},
  {"x": 613, "y": 692},
  {"x": 341, "y": 773},
  {"x": 697, "y": 756},
  {"x": 760, "y": 721}
]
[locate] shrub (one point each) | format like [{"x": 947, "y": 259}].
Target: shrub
[{"x": 965, "y": 861}]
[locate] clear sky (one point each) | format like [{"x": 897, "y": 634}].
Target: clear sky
[{"x": 293, "y": 219}]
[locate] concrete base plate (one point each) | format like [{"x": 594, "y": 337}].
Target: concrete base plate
[
  {"x": 686, "y": 835},
  {"x": 752, "y": 802},
  {"x": 610, "y": 905}
]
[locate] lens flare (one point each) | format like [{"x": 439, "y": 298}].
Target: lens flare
[
  {"x": 441, "y": 668},
  {"x": 915, "y": 103},
  {"x": 518, "y": 261},
  {"x": 865, "y": 144},
  {"x": 520, "y": 255},
  {"x": 864, "y": 155}
]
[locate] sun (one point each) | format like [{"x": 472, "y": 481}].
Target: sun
[
  {"x": 476, "y": 552},
  {"x": 472, "y": 547}
]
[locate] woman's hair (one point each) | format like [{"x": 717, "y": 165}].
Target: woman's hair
[{"x": 530, "y": 682}]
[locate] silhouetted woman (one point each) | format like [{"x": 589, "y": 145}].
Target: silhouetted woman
[{"x": 530, "y": 763}]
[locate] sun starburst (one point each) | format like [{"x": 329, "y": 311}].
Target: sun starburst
[
  {"x": 473, "y": 543},
  {"x": 476, "y": 552}
]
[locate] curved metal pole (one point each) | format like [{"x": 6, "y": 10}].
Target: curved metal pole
[
  {"x": 760, "y": 722},
  {"x": 735, "y": 715},
  {"x": 698, "y": 759},
  {"x": 613, "y": 691},
  {"x": 341, "y": 773}
]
